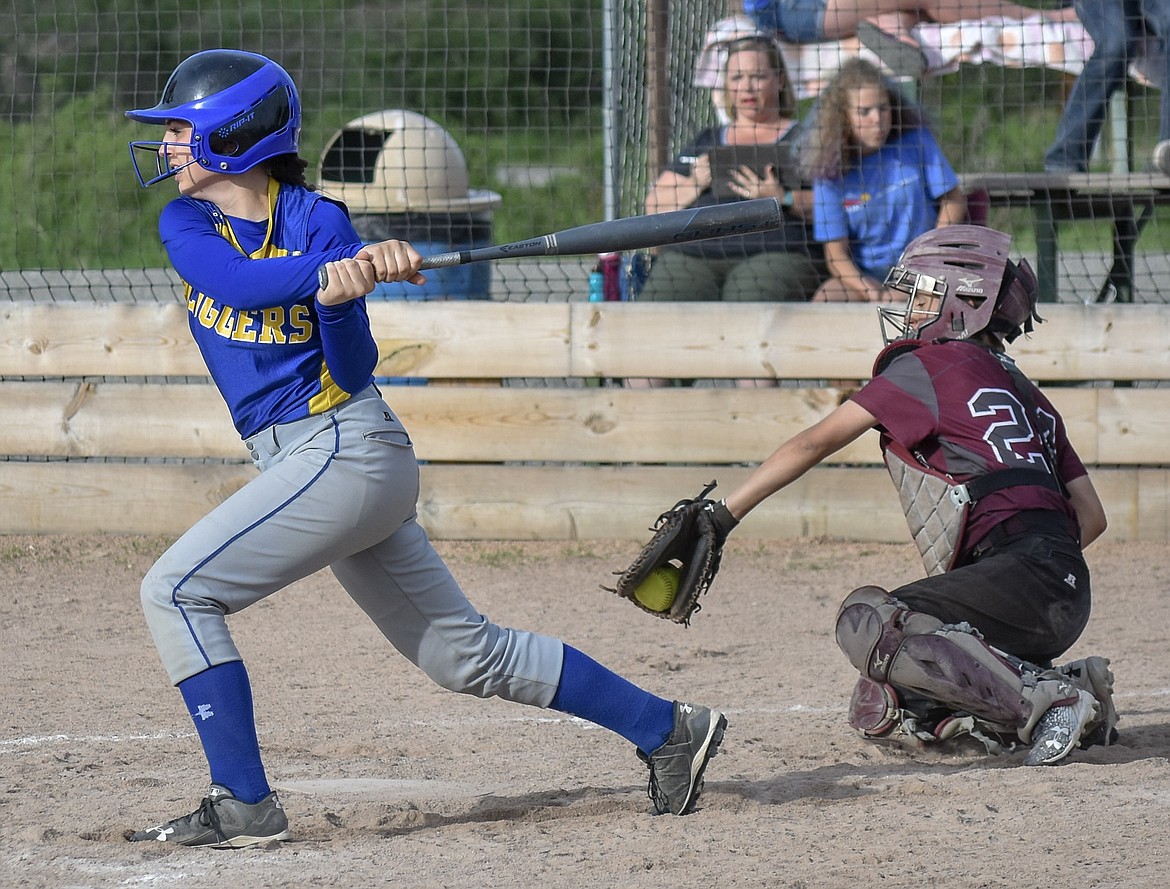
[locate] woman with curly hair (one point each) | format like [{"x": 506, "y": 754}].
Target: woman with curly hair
[{"x": 879, "y": 181}]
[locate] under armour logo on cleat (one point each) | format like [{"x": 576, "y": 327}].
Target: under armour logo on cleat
[
  {"x": 163, "y": 833},
  {"x": 204, "y": 712}
]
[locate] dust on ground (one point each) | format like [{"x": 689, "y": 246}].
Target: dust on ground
[{"x": 389, "y": 780}]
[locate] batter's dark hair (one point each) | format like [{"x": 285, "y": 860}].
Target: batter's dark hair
[{"x": 289, "y": 169}]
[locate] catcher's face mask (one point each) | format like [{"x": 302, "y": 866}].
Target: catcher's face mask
[
  {"x": 955, "y": 278},
  {"x": 923, "y": 305}
]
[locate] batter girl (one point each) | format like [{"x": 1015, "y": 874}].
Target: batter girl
[{"x": 338, "y": 480}]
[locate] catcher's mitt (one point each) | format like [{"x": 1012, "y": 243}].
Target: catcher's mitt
[{"x": 689, "y": 537}]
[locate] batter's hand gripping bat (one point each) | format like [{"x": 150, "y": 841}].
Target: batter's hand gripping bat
[{"x": 631, "y": 233}]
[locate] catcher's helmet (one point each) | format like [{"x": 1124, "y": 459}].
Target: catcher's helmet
[
  {"x": 243, "y": 109},
  {"x": 960, "y": 282}
]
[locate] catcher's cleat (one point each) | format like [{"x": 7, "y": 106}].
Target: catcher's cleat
[
  {"x": 1059, "y": 730},
  {"x": 676, "y": 768},
  {"x": 874, "y": 709},
  {"x": 1094, "y": 676},
  {"x": 222, "y": 822}
]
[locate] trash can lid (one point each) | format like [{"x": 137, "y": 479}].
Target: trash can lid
[{"x": 398, "y": 161}]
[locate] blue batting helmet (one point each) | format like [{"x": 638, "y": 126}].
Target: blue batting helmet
[{"x": 243, "y": 109}]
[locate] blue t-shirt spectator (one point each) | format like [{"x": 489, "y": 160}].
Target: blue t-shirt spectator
[{"x": 885, "y": 201}]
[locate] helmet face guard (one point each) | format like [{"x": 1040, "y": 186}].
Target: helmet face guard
[
  {"x": 143, "y": 153},
  {"x": 243, "y": 109},
  {"x": 923, "y": 304},
  {"x": 960, "y": 282}
]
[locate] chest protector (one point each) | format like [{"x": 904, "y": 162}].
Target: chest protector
[{"x": 935, "y": 507}]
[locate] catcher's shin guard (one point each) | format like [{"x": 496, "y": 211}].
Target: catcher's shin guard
[{"x": 889, "y": 643}]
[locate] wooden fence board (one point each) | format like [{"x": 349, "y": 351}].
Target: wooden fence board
[
  {"x": 491, "y": 340},
  {"x": 1133, "y": 426},
  {"x": 621, "y": 455},
  {"x": 114, "y": 339},
  {"x": 87, "y": 419},
  {"x": 65, "y": 497},
  {"x": 521, "y": 502},
  {"x": 482, "y": 425},
  {"x": 472, "y": 339}
]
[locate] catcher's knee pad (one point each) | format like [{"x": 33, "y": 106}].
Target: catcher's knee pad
[
  {"x": 891, "y": 644},
  {"x": 871, "y": 625}
]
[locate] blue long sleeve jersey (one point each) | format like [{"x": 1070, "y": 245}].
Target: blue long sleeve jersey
[{"x": 275, "y": 354}]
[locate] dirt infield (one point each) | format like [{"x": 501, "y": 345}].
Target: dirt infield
[{"x": 390, "y": 781}]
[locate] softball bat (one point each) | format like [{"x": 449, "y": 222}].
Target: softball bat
[{"x": 617, "y": 235}]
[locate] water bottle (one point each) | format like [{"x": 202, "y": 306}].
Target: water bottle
[
  {"x": 611, "y": 271},
  {"x": 597, "y": 285}
]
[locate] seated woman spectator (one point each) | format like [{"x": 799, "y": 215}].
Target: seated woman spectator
[
  {"x": 778, "y": 265},
  {"x": 879, "y": 181}
]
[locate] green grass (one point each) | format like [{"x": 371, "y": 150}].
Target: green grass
[
  {"x": 572, "y": 197},
  {"x": 68, "y": 194},
  {"x": 517, "y": 82},
  {"x": 12, "y": 553},
  {"x": 71, "y": 200},
  {"x": 579, "y": 550}
]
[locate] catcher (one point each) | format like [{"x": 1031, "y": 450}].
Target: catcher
[{"x": 996, "y": 497}]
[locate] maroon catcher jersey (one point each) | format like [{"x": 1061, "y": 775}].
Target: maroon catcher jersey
[{"x": 955, "y": 405}]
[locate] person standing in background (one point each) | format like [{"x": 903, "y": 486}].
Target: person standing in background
[{"x": 1116, "y": 27}]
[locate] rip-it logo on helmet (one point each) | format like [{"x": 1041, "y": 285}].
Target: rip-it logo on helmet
[{"x": 230, "y": 128}]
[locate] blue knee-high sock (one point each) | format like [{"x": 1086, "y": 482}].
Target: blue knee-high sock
[
  {"x": 220, "y": 702},
  {"x": 592, "y": 692}
]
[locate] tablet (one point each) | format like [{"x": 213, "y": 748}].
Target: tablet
[{"x": 725, "y": 159}]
